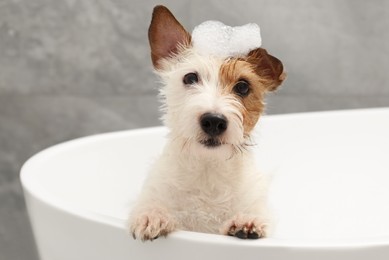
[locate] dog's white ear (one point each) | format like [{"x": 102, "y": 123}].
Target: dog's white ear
[
  {"x": 268, "y": 67},
  {"x": 166, "y": 34}
]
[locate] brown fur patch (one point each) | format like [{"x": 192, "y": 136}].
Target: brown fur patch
[
  {"x": 262, "y": 71},
  {"x": 230, "y": 73},
  {"x": 268, "y": 67},
  {"x": 166, "y": 35}
]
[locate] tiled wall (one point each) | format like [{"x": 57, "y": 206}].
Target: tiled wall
[{"x": 71, "y": 68}]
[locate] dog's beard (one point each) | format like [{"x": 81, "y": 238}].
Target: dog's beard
[
  {"x": 202, "y": 146},
  {"x": 195, "y": 142},
  {"x": 211, "y": 142},
  {"x": 188, "y": 134}
]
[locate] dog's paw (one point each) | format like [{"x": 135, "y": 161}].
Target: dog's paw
[
  {"x": 151, "y": 224},
  {"x": 245, "y": 227}
]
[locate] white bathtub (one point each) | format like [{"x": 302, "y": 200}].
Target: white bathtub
[{"x": 329, "y": 193}]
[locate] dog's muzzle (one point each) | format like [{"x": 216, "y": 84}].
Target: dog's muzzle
[{"x": 213, "y": 125}]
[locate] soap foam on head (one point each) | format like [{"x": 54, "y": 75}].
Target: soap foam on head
[{"x": 217, "y": 39}]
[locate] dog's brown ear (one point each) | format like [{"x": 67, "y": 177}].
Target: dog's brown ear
[
  {"x": 166, "y": 34},
  {"x": 269, "y": 68}
]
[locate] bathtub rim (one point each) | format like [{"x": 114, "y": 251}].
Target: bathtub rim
[{"x": 31, "y": 190}]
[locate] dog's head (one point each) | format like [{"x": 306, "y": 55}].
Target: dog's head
[{"x": 211, "y": 104}]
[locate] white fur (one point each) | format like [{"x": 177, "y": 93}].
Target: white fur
[{"x": 192, "y": 187}]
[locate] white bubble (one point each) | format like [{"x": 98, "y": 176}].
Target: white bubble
[{"x": 217, "y": 39}]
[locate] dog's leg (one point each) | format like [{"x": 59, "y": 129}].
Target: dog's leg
[
  {"x": 151, "y": 223},
  {"x": 245, "y": 227}
]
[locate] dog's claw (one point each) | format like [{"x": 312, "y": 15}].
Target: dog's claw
[
  {"x": 150, "y": 225},
  {"x": 241, "y": 234},
  {"x": 245, "y": 232},
  {"x": 253, "y": 235}
]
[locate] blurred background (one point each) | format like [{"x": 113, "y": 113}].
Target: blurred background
[{"x": 72, "y": 68}]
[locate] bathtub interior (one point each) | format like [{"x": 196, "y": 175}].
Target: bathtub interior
[{"x": 329, "y": 174}]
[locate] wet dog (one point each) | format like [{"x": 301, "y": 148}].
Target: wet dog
[{"x": 205, "y": 180}]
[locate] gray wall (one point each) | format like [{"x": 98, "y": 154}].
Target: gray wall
[{"x": 71, "y": 68}]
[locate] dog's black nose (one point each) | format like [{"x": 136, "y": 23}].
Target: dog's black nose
[{"x": 213, "y": 124}]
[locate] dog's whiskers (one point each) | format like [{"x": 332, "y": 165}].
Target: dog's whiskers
[
  {"x": 186, "y": 144},
  {"x": 249, "y": 141},
  {"x": 238, "y": 149}
]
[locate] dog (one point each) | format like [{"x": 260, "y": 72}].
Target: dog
[{"x": 205, "y": 179}]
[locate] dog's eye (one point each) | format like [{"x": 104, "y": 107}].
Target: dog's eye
[
  {"x": 242, "y": 88},
  {"x": 190, "y": 78}
]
